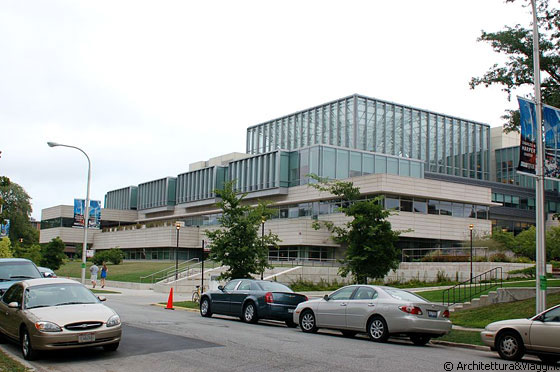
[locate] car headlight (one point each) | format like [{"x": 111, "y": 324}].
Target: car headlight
[
  {"x": 47, "y": 327},
  {"x": 115, "y": 320}
]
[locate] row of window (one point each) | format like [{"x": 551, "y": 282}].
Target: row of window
[{"x": 522, "y": 202}]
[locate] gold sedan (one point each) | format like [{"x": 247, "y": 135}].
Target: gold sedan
[{"x": 53, "y": 314}]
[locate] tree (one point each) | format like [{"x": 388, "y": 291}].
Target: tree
[
  {"x": 516, "y": 43},
  {"x": 368, "y": 237},
  {"x": 238, "y": 244},
  {"x": 113, "y": 255},
  {"x": 32, "y": 252},
  {"x": 16, "y": 205},
  {"x": 53, "y": 254},
  {"x": 5, "y": 248}
]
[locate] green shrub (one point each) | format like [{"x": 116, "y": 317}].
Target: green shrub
[
  {"x": 499, "y": 257},
  {"x": 113, "y": 255},
  {"x": 522, "y": 259},
  {"x": 480, "y": 259}
]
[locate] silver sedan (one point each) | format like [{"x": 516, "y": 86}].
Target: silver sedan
[{"x": 376, "y": 310}]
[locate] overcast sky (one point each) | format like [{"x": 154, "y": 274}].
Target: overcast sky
[{"x": 145, "y": 88}]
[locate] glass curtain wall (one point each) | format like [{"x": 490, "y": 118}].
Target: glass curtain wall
[{"x": 447, "y": 145}]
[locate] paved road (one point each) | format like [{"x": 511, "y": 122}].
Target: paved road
[{"x": 161, "y": 340}]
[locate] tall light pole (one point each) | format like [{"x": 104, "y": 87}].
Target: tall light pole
[
  {"x": 178, "y": 227},
  {"x": 262, "y": 240},
  {"x": 86, "y": 214},
  {"x": 471, "y": 227},
  {"x": 540, "y": 266}
]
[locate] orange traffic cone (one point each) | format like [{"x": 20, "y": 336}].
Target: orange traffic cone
[{"x": 170, "y": 300}]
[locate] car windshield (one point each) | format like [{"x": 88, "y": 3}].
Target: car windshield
[
  {"x": 17, "y": 270},
  {"x": 58, "y": 295},
  {"x": 404, "y": 295},
  {"x": 274, "y": 287}
]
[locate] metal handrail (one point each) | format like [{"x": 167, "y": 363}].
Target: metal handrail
[
  {"x": 171, "y": 274},
  {"x": 467, "y": 290},
  {"x": 167, "y": 269}
]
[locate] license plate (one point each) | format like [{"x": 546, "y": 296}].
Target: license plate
[
  {"x": 290, "y": 311},
  {"x": 432, "y": 314},
  {"x": 86, "y": 337}
]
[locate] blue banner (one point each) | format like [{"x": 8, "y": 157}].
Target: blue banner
[
  {"x": 551, "y": 119},
  {"x": 5, "y": 229},
  {"x": 94, "y": 220},
  {"x": 528, "y": 148}
]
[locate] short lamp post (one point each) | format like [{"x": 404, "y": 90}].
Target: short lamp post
[
  {"x": 86, "y": 212},
  {"x": 471, "y": 227},
  {"x": 262, "y": 240},
  {"x": 178, "y": 227}
]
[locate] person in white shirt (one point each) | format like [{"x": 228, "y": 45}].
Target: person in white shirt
[{"x": 93, "y": 270}]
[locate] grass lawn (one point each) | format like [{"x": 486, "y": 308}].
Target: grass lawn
[
  {"x": 436, "y": 296},
  {"x": 482, "y": 316},
  {"x": 462, "y": 337},
  {"x": 127, "y": 271},
  {"x": 103, "y": 291},
  {"x": 7, "y": 364},
  {"x": 185, "y": 304}
]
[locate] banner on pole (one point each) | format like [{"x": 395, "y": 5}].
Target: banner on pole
[
  {"x": 528, "y": 148},
  {"x": 94, "y": 220},
  {"x": 5, "y": 229}
]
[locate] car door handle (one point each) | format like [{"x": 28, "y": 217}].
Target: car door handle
[
  {"x": 342, "y": 304},
  {"x": 372, "y": 305}
]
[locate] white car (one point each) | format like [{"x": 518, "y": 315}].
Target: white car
[
  {"x": 376, "y": 310},
  {"x": 539, "y": 335}
]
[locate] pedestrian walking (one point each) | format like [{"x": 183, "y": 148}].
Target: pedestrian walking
[
  {"x": 93, "y": 270},
  {"x": 104, "y": 270}
]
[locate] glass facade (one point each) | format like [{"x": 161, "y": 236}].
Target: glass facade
[
  {"x": 158, "y": 193},
  {"x": 261, "y": 172},
  {"x": 123, "y": 199},
  {"x": 507, "y": 160},
  {"x": 200, "y": 184},
  {"x": 446, "y": 144}
]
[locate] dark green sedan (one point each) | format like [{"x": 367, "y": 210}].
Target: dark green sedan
[{"x": 252, "y": 300}]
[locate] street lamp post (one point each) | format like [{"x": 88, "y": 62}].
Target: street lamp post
[
  {"x": 86, "y": 214},
  {"x": 262, "y": 240},
  {"x": 471, "y": 227},
  {"x": 178, "y": 227}
]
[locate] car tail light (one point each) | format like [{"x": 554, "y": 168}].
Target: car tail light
[
  {"x": 268, "y": 298},
  {"x": 445, "y": 314},
  {"x": 414, "y": 310}
]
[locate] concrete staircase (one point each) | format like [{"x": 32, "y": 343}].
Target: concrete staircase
[{"x": 501, "y": 295}]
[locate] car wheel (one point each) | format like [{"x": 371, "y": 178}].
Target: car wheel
[
  {"x": 420, "y": 340},
  {"x": 377, "y": 329},
  {"x": 250, "y": 313},
  {"x": 307, "y": 322},
  {"x": 26, "y": 348},
  {"x": 205, "y": 309},
  {"x": 291, "y": 324},
  {"x": 348, "y": 333},
  {"x": 111, "y": 347},
  {"x": 510, "y": 346},
  {"x": 549, "y": 359}
]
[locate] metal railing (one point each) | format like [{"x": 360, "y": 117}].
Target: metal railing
[
  {"x": 292, "y": 262},
  {"x": 417, "y": 254},
  {"x": 182, "y": 266},
  {"x": 467, "y": 290},
  {"x": 187, "y": 271}
]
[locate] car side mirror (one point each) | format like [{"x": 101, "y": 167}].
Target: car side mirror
[
  {"x": 326, "y": 297},
  {"x": 102, "y": 298},
  {"x": 221, "y": 288},
  {"x": 47, "y": 275},
  {"x": 13, "y": 305}
]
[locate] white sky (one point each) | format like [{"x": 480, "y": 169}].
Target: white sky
[{"x": 145, "y": 88}]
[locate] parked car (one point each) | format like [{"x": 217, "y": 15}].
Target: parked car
[
  {"x": 54, "y": 314},
  {"x": 376, "y": 310},
  {"x": 538, "y": 335},
  {"x": 46, "y": 272},
  {"x": 252, "y": 300},
  {"x": 15, "y": 269}
]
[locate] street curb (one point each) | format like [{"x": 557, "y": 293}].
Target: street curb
[
  {"x": 177, "y": 308},
  {"x": 464, "y": 346},
  {"x": 21, "y": 361}
]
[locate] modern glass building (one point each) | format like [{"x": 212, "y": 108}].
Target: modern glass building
[{"x": 445, "y": 143}]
